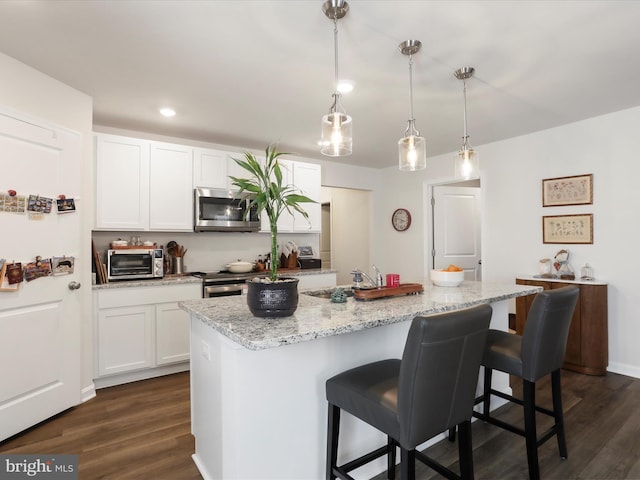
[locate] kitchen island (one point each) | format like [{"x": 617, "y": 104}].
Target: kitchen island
[{"x": 257, "y": 385}]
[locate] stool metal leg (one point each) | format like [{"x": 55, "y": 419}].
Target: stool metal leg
[
  {"x": 465, "y": 451},
  {"x": 391, "y": 459},
  {"x": 556, "y": 392},
  {"x": 407, "y": 464},
  {"x": 486, "y": 403},
  {"x": 333, "y": 429},
  {"x": 529, "y": 393}
]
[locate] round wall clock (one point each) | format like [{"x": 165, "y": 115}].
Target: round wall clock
[{"x": 401, "y": 219}]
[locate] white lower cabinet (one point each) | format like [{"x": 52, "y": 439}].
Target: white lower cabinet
[
  {"x": 172, "y": 334},
  {"x": 140, "y": 332}
]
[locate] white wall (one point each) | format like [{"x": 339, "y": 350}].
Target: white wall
[
  {"x": 511, "y": 173},
  {"x": 29, "y": 91}
]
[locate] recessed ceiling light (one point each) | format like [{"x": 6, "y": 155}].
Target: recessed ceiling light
[
  {"x": 168, "y": 112},
  {"x": 345, "y": 86}
]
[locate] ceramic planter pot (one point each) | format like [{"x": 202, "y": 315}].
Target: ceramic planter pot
[{"x": 273, "y": 300}]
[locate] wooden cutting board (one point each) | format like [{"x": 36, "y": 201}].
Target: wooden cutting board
[{"x": 384, "y": 292}]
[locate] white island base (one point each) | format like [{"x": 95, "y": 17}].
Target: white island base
[{"x": 262, "y": 414}]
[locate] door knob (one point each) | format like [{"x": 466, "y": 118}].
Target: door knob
[{"x": 74, "y": 285}]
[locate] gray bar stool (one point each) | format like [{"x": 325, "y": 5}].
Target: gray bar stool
[
  {"x": 412, "y": 400},
  {"x": 537, "y": 353}
]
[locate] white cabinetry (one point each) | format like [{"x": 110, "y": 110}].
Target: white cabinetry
[
  {"x": 212, "y": 168},
  {"x": 122, "y": 183},
  {"x": 209, "y": 168},
  {"x": 141, "y": 330},
  {"x": 170, "y": 190},
  {"x": 172, "y": 334},
  {"x": 306, "y": 177},
  {"x": 142, "y": 185}
]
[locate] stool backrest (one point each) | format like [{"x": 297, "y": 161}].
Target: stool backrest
[
  {"x": 544, "y": 339},
  {"x": 439, "y": 372}
]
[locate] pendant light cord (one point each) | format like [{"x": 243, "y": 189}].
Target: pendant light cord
[
  {"x": 411, "y": 88},
  {"x": 464, "y": 93},
  {"x": 335, "y": 48}
]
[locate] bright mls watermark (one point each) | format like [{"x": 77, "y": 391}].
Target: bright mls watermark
[{"x": 50, "y": 467}]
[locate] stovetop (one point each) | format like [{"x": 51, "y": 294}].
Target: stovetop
[{"x": 226, "y": 275}]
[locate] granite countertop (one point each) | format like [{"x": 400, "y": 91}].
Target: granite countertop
[
  {"x": 150, "y": 282},
  {"x": 173, "y": 279},
  {"x": 318, "y": 317}
]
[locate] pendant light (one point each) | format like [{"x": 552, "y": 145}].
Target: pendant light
[
  {"x": 412, "y": 154},
  {"x": 337, "y": 139},
  {"x": 466, "y": 163}
]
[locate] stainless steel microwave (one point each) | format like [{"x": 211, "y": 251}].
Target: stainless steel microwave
[
  {"x": 220, "y": 211},
  {"x": 135, "y": 264}
]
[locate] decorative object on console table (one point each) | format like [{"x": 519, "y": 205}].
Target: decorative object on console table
[
  {"x": 273, "y": 297},
  {"x": 587, "y": 346},
  {"x": 575, "y": 190}
]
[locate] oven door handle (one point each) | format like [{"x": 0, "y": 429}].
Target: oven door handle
[{"x": 209, "y": 289}]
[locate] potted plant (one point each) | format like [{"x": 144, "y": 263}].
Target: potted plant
[{"x": 272, "y": 297}]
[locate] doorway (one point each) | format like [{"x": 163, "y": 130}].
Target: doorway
[
  {"x": 345, "y": 239},
  {"x": 455, "y": 227}
]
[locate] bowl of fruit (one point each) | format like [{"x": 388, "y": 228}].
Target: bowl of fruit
[{"x": 452, "y": 276}]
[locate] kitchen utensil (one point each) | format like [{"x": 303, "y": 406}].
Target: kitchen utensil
[{"x": 239, "y": 266}]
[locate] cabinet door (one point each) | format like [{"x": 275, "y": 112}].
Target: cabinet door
[
  {"x": 171, "y": 188},
  {"x": 125, "y": 339},
  {"x": 172, "y": 334},
  {"x": 235, "y": 170},
  {"x": 122, "y": 183},
  {"x": 210, "y": 169},
  {"x": 285, "y": 222},
  {"x": 307, "y": 178}
]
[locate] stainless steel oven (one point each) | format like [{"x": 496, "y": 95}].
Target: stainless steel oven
[{"x": 224, "y": 284}]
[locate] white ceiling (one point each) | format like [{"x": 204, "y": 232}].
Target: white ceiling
[{"x": 249, "y": 73}]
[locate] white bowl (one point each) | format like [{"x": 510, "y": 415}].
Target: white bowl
[{"x": 446, "y": 279}]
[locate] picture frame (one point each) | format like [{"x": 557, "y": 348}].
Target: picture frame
[
  {"x": 568, "y": 229},
  {"x": 574, "y": 190}
]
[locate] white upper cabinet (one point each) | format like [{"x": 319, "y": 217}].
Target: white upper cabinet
[
  {"x": 122, "y": 183},
  {"x": 210, "y": 168},
  {"x": 143, "y": 185},
  {"x": 306, "y": 177},
  {"x": 170, "y": 188}
]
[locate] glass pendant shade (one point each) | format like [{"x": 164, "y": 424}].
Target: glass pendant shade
[
  {"x": 337, "y": 138},
  {"x": 412, "y": 153},
  {"x": 412, "y": 148},
  {"x": 467, "y": 159},
  {"x": 466, "y": 163}
]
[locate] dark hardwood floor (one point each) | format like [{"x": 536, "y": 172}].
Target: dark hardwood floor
[
  {"x": 142, "y": 431},
  {"x": 139, "y": 430}
]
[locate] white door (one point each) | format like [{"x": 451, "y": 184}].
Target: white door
[
  {"x": 456, "y": 229},
  {"x": 40, "y": 323}
]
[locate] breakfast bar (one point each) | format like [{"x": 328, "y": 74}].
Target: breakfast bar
[{"x": 258, "y": 407}]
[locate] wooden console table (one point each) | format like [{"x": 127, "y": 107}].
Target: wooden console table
[{"x": 587, "y": 345}]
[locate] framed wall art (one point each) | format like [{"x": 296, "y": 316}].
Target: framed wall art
[
  {"x": 576, "y": 190},
  {"x": 567, "y": 228}
]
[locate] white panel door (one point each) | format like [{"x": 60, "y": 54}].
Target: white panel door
[
  {"x": 456, "y": 229},
  {"x": 40, "y": 323}
]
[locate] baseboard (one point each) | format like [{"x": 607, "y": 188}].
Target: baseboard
[
  {"x": 120, "y": 378},
  {"x": 624, "y": 369},
  {"x": 88, "y": 392}
]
